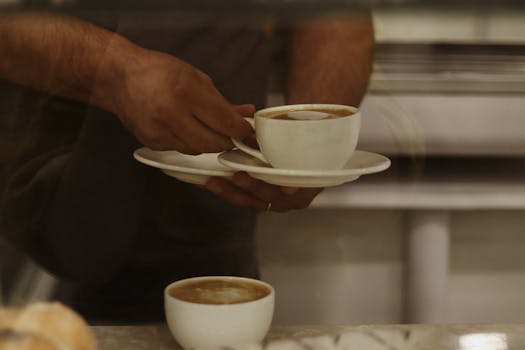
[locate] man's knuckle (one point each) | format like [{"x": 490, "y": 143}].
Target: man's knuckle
[
  {"x": 181, "y": 91},
  {"x": 229, "y": 124},
  {"x": 155, "y": 145},
  {"x": 205, "y": 77},
  {"x": 158, "y": 116},
  {"x": 150, "y": 137}
]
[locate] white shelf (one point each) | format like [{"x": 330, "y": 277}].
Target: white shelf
[
  {"x": 450, "y": 25},
  {"x": 501, "y": 186},
  {"x": 454, "y": 196}
]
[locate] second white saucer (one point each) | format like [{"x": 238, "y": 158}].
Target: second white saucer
[
  {"x": 361, "y": 163},
  {"x": 192, "y": 169}
]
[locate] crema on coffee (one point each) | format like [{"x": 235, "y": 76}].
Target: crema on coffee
[
  {"x": 219, "y": 291},
  {"x": 330, "y": 113}
]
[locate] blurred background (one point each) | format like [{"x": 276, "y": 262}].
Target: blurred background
[{"x": 437, "y": 238}]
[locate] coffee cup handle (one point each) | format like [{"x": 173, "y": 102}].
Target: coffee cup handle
[{"x": 247, "y": 149}]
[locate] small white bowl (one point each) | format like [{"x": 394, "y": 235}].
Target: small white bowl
[{"x": 200, "y": 326}]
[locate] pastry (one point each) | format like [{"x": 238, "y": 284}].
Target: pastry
[{"x": 44, "y": 326}]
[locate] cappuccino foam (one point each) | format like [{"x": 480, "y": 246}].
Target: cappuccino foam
[
  {"x": 329, "y": 114},
  {"x": 219, "y": 291}
]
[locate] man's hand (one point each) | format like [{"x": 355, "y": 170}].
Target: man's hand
[
  {"x": 169, "y": 104},
  {"x": 257, "y": 195},
  {"x": 165, "y": 102}
]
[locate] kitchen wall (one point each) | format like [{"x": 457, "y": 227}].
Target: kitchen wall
[
  {"x": 333, "y": 266},
  {"x": 347, "y": 266},
  {"x": 450, "y": 25},
  {"x": 487, "y": 277}
]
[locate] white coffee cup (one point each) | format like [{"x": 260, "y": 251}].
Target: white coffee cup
[
  {"x": 198, "y": 324},
  {"x": 305, "y": 144}
]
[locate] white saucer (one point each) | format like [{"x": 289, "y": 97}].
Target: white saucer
[
  {"x": 361, "y": 163},
  {"x": 192, "y": 169}
]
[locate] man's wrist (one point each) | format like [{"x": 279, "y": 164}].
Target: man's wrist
[{"x": 118, "y": 60}]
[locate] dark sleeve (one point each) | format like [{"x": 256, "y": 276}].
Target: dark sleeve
[
  {"x": 95, "y": 214},
  {"x": 77, "y": 213}
]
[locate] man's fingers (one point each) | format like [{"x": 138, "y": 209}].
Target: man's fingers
[
  {"x": 265, "y": 192},
  {"x": 251, "y": 193},
  {"x": 281, "y": 201},
  {"x": 262, "y": 190},
  {"x": 193, "y": 132},
  {"x": 305, "y": 196},
  {"x": 214, "y": 111},
  {"x": 289, "y": 190},
  {"x": 246, "y": 110},
  {"x": 165, "y": 141},
  {"x": 233, "y": 194}
]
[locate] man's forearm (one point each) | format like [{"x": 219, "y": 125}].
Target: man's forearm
[
  {"x": 62, "y": 56},
  {"x": 330, "y": 60}
]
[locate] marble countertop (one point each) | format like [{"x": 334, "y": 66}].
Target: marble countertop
[{"x": 366, "y": 337}]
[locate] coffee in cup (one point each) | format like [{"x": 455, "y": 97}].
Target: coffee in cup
[
  {"x": 218, "y": 311},
  {"x": 309, "y": 114},
  {"x": 305, "y": 137},
  {"x": 219, "y": 291}
]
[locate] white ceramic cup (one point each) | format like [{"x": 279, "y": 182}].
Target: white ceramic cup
[
  {"x": 322, "y": 144},
  {"x": 205, "y": 326}
]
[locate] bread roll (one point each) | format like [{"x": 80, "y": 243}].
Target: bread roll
[{"x": 44, "y": 326}]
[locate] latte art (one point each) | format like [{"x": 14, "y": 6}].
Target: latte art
[
  {"x": 310, "y": 114},
  {"x": 219, "y": 291}
]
